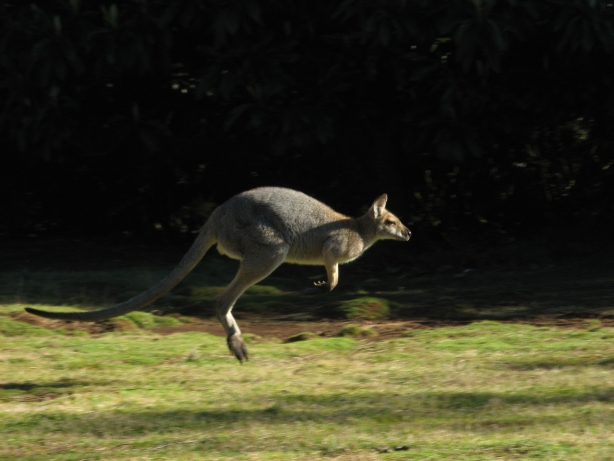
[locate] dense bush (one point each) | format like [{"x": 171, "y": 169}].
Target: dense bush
[{"x": 142, "y": 114}]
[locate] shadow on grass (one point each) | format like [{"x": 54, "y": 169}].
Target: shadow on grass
[
  {"x": 29, "y": 386},
  {"x": 484, "y": 411},
  {"x": 448, "y": 293},
  {"x": 551, "y": 364},
  {"x": 38, "y": 392}
]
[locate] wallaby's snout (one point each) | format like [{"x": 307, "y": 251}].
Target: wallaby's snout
[
  {"x": 402, "y": 233},
  {"x": 406, "y": 233}
]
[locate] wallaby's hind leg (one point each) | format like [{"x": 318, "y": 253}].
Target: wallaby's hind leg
[{"x": 253, "y": 268}]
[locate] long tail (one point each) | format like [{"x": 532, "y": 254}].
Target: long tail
[{"x": 199, "y": 248}]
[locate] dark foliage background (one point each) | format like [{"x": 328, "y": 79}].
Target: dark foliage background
[{"x": 480, "y": 117}]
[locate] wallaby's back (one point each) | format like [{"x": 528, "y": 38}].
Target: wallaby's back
[
  {"x": 271, "y": 215},
  {"x": 287, "y": 209}
]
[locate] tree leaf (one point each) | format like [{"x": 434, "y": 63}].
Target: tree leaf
[
  {"x": 235, "y": 114},
  {"x": 384, "y": 32}
]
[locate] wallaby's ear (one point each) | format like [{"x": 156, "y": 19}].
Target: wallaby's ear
[{"x": 379, "y": 206}]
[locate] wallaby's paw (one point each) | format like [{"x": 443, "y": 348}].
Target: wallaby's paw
[
  {"x": 322, "y": 286},
  {"x": 317, "y": 288},
  {"x": 237, "y": 347}
]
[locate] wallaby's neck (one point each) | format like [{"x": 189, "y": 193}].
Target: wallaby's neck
[{"x": 367, "y": 229}]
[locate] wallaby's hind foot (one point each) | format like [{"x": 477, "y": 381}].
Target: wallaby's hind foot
[{"x": 237, "y": 346}]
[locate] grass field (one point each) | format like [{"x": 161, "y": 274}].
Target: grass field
[
  {"x": 501, "y": 363},
  {"x": 483, "y": 391}
]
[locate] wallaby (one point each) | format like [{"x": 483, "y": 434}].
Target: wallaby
[{"x": 263, "y": 228}]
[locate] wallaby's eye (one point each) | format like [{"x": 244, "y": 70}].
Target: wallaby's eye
[{"x": 388, "y": 222}]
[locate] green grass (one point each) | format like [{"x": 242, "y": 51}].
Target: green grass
[
  {"x": 357, "y": 331},
  {"x": 365, "y": 308},
  {"x": 485, "y": 391},
  {"x": 145, "y": 320},
  {"x": 10, "y": 327},
  {"x": 305, "y": 336}
]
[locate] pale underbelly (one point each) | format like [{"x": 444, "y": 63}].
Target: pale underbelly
[
  {"x": 317, "y": 261},
  {"x": 226, "y": 252},
  {"x": 304, "y": 261}
]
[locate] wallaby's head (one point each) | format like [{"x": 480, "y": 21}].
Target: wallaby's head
[{"x": 388, "y": 225}]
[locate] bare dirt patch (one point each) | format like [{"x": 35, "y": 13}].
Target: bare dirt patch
[
  {"x": 50, "y": 324},
  {"x": 278, "y": 328},
  {"x": 281, "y": 329}
]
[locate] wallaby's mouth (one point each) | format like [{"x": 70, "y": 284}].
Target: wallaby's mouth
[{"x": 402, "y": 236}]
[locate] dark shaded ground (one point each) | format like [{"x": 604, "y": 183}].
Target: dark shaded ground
[{"x": 531, "y": 282}]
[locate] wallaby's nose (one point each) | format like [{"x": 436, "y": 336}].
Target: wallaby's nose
[{"x": 408, "y": 233}]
